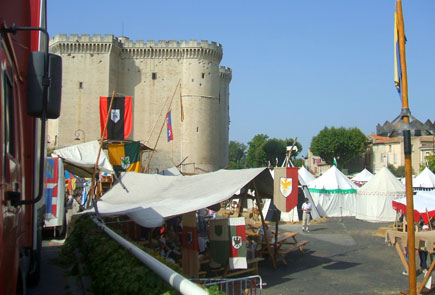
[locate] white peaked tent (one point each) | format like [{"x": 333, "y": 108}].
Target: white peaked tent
[
  {"x": 362, "y": 177},
  {"x": 424, "y": 181},
  {"x": 306, "y": 176},
  {"x": 374, "y": 199},
  {"x": 334, "y": 194}
]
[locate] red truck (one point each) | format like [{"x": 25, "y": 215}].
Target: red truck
[{"x": 30, "y": 91}]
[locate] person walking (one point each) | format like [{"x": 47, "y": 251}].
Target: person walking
[{"x": 306, "y": 216}]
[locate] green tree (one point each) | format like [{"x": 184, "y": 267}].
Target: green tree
[
  {"x": 273, "y": 149},
  {"x": 255, "y": 153},
  {"x": 298, "y": 162},
  {"x": 263, "y": 150},
  {"x": 398, "y": 172},
  {"x": 237, "y": 155},
  {"x": 341, "y": 143},
  {"x": 431, "y": 162}
]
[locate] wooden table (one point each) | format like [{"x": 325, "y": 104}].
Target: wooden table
[
  {"x": 285, "y": 243},
  {"x": 253, "y": 229},
  {"x": 423, "y": 241}
]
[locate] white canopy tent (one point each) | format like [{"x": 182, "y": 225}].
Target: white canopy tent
[
  {"x": 373, "y": 200},
  {"x": 80, "y": 159},
  {"x": 306, "y": 176},
  {"x": 334, "y": 194},
  {"x": 362, "y": 177},
  {"x": 424, "y": 205},
  {"x": 151, "y": 198},
  {"x": 424, "y": 181}
]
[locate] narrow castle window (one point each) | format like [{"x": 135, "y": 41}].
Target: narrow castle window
[
  {"x": 203, "y": 75},
  {"x": 154, "y": 76},
  {"x": 80, "y": 85}
]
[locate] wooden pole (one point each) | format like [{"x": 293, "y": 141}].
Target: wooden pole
[
  {"x": 286, "y": 164},
  {"x": 407, "y": 147},
  {"x": 290, "y": 152},
  {"x": 155, "y": 123},
  {"x": 93, "y": 183},
  {"x": 263, "y": 223},
  {"x": 242, "y": 201},
  {"x": 163, "y": 125}
]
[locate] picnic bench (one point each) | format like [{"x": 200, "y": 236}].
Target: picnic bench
[
  {"x": 226, "y": 272},
  {"x": 285, "y": 243}
]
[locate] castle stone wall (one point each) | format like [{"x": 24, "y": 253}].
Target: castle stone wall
[{"x": 187, "y": 73}]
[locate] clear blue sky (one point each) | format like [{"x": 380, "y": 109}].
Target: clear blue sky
[{"x": 298, "y": 66}]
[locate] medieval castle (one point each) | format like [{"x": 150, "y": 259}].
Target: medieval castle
[{"x": 182, "y": 76}]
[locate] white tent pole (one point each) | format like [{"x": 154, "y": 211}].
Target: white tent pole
[{"x": 180, "y": 283}]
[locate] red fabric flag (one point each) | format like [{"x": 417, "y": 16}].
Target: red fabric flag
[
  {"x": 120, "y": 121},
  {"x": 189, "y": 238}
]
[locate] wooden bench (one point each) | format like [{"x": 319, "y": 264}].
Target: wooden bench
[{"x": 298, "y": 245}]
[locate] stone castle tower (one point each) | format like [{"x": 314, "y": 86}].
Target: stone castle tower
[{"x": 152, "y": 73}]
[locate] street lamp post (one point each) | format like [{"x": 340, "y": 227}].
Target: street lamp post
[{"x": 78, "y": 134}]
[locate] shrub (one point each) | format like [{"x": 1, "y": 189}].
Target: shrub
[{"x": 112, "y": 269}]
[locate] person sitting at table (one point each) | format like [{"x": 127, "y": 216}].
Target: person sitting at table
[
  {"x": 168, "y": 245},
  {"x": 251, "y": 246},
  {"x": 306, "y": 216},
  {"x": 269, "y": 234}
]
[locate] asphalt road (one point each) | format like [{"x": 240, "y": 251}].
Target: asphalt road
[
  {"x": 340, "y": 258},
  {"x": 54, "y": 279}
]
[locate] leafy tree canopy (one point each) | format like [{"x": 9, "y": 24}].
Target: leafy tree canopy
[
  {"x": 298, "y": 162},
  {"x": 431, "y": 162},
  {"x": 398, "y": 172},
  {"x": 237, "y": 155},
  {"x": 341, "y": 143},
  {"x": 263, "y": 150}
]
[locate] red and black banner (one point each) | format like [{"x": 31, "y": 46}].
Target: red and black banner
[{"x": 120, "y": 120}]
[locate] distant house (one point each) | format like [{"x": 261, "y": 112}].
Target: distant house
[
  {"x": 388, "y": 150},
  {"x": 316, "y": 165}
]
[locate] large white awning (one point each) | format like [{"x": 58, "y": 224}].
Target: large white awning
[{"x": 150, "y": 198}]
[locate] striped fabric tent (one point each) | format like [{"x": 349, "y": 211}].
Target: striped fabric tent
[{"x": 373, "y": 202}]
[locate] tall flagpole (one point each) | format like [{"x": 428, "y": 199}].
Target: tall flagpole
[{"x": 407, "y": 150}]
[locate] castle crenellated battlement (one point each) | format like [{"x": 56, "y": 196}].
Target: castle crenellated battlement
[
  {"x": 150, "y": 49},
  {"x": 225, "y": 73}
]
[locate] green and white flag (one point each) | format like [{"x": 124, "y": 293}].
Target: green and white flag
[
  {"x": 219, "y": 241},
  {"x": 237, "y": 243}
]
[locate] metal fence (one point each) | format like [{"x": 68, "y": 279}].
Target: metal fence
[{"x": 252, "y": 285}]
